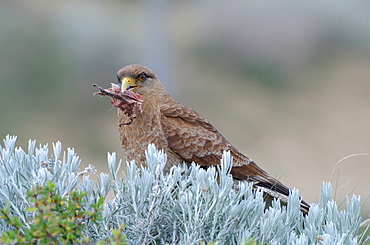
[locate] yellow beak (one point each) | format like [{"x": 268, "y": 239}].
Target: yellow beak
[{"x": 128, "y": 83}]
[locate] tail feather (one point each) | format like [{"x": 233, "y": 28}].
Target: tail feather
[{"x": 260, "y": 179}]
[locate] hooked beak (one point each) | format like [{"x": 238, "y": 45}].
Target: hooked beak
[{"x": 128, "y": 83}]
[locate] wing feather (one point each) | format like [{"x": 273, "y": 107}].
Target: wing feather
[{"x": 193, "y": 138}]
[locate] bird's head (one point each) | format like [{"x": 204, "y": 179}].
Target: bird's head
[{"x": 137, "y": 78}]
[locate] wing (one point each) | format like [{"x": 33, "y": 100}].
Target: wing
[{"x": 194, "y": 138}]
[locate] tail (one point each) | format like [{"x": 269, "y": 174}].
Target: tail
[{"x": 262, "y": 180}]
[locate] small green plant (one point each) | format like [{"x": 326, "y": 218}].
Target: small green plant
[
  {"x": 53, "y": 219},
  {"x": 117, "y": 238}
]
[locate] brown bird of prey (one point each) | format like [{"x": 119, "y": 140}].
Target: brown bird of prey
[{"x": 183, "y": 134}]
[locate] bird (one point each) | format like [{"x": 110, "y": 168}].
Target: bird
[{"x": 183, "y": 134}]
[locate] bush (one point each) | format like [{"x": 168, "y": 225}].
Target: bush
[
  {"x": 189, "y": 205},
  {"x": 54, "y": 220}
]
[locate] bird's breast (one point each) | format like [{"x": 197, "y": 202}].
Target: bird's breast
[{"x": 144, "y": 130}]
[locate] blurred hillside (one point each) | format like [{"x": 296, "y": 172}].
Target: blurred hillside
[{"x": 287, "y": 83}]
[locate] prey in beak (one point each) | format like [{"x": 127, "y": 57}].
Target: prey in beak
[{"x": 123, "y": 98}]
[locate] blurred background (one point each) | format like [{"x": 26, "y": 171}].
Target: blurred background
[{"x": 287, "y": 83}]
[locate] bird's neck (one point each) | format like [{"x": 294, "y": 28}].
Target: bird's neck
[
  {"x": 150, "y": 106},
  {"x": 150, "y": 113}
]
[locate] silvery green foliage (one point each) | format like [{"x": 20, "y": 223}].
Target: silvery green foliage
[
  {"x": 186, "y": 206},
  {"x": 190, "y": 205}
]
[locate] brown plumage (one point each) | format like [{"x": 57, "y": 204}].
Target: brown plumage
[{"x": 183, "y": 134}]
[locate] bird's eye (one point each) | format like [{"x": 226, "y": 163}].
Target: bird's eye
[{"x": 143, "y": 76}]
